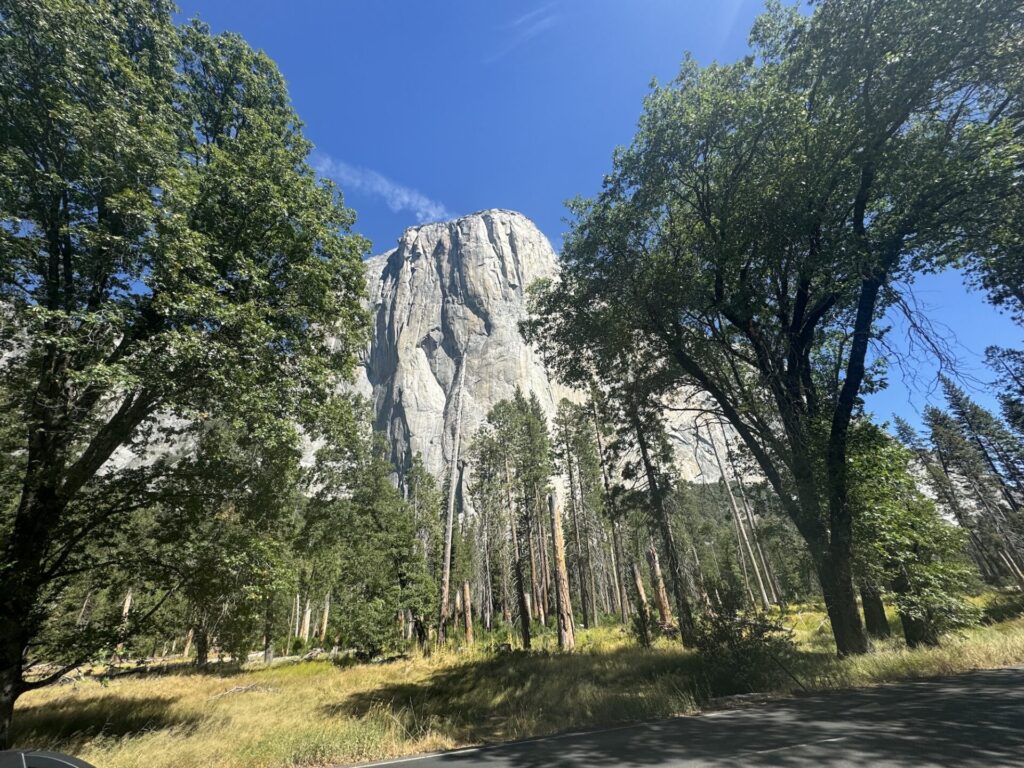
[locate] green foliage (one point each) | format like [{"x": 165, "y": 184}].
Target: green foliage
[
  {"x": 767, "y": 213},
  {"x": 903, "y": 544},
  {"x": 360, "y": 541},
  {"x": 169, "y": 263},
  {"x": 744, "y": 651}
]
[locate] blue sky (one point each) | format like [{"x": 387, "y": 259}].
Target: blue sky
[{"x": 424, "y": 110}]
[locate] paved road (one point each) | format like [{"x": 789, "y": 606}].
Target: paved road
[{"x": 969, "y": 720}]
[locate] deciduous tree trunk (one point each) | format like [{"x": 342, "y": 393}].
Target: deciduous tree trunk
[
  {"x": 202, "y": 647},
  {"x": 10, "y": 680},
  {"x": 874, "y": 612}
]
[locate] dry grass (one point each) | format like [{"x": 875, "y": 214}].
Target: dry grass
[{"x": 315, "y": 713}]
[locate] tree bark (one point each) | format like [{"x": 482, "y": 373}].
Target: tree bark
[
  {"x": 325, "y": 618},
  {"x": 643, "y": 619},
  {"x": 563, "y": 604},
  {"x": 581, "y": 578},
  {"x": 835, "y": 573},
  {"x": 11, "y": 682},
  {"x": 453, "y": 473},
  {"x": 467, "y": 611},
  {"x": 202, "y": 647},
  {"x": 306, "y": 616},
  {"x": 658, "y": 584},
  {"x": 620, "y": 577},
  {"x": 874, "y": 612},
  {"x": 535, "y": 585}
]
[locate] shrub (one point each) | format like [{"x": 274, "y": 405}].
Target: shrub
[{"x": 744, "y": 651}]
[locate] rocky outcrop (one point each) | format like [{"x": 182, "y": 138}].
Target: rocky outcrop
[
  {"x": 446, "y": 306},
  {"x": 451, "y": 296}
]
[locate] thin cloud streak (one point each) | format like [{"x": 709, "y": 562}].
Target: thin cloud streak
[
  {"x": 397, "y": 197},
  {"x": 530, "y": 15},
  {"x": 524, "y": 28}
]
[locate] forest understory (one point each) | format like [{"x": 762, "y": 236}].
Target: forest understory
[{"x": 318, "y": 713}]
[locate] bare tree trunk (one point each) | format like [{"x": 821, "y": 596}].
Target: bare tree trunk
[
  {"x": 683, "y": 609},
  {"x": 326, "y": 617},
  {"x": 453, "y": 474},
  {"x": 306, "y": 616},
  {"x": 563, "y": 604},
  {"x": 774, "y": 593},
  {"x": 643, "y": 609},
  {"x": 85, "y": 605},
  {"x": 740, "y": 527},
  {"x": 658, "y": 584},
  {"x": 189, "y": 636},
  {"x": 535, "y": 578},
  {"x": 126, "y": 610},
  {"x": 547, "y": 581},
  {"x": 467, "y": 611},
  {"x": 620, "y": 576},
  {"x": 616, "y": 593},
  {"x": 506, "y": 591},
  {"x": 487, "y": 599},
  {"x": 579, "y": 564},
  {"x": 588, "y": 540}
]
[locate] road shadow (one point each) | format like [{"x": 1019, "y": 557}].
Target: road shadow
[{"x": 972, "y": 720}]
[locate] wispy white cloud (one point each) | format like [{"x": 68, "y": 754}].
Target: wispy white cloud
[
  {"x": 522, "y": 29},
  {"x": 397, "y": 197}
]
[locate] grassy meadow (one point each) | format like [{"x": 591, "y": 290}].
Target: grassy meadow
[{"x": 318, "y": 713}]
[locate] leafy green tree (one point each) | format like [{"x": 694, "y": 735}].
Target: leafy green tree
[
  {"x": 903, "y": 544},
  {"x": 222, "y": 532},
  {"x": 166, "y": 255},
  {"x": 767, "y": 213}
]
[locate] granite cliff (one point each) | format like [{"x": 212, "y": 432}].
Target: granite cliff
[{"x": 446, "y": 306}]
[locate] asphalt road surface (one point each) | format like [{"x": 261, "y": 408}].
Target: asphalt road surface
[{"x": 975, "y": 719}]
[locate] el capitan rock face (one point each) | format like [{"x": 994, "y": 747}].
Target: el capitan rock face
[{"x": 450, "y": 297}]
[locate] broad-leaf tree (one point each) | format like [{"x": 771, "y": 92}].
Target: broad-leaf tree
[
  {"x": 769, "y": 212},
  {"x": 166, "y": 255}
]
